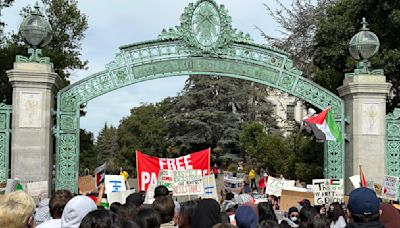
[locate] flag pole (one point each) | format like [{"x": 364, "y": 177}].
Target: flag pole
[
  {"x": 137, "y": 172},
  {"x": 209, "y": 160}
]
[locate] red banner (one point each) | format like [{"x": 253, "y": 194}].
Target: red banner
[{"x": 148, "y": 167}]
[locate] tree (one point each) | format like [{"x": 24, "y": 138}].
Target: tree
[
  {"x": 3, "y": 4},
  {"x": 332, "y": 59},
  {"x": 88, "y": 156},
  {"x": 107, "y": 144},
  {"x": 68, "y": 24}
]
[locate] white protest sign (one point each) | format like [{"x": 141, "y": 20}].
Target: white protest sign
[
  {"x": 38, "y": 188},
  {"x": 210, "y": 188},
  {"x": 355, "y": 180},
  {"x": 119, "y": 197},
  {"x": 187, "y": 182},
  {"x": 114, "y": 183},
  {"x": 275, "y": 186},
  {"x": 165, "y": 177},
  {"x": 327, "y": 191},
  {"x": 149, "y": 198},
  {"x": 11, "y": 185},
  {"x": 390, "y": 187}
]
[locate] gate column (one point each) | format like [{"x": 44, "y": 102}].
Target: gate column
[
  {"x": 34, "y": 85},
  {"x": 364, "y": 96}
]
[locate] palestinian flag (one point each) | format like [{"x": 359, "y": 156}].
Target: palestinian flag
[{"x": 324, "y": 126}]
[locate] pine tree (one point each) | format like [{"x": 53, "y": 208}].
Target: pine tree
[
  {"x": 107, "y": 143},
  {"x": 87, "y": 157}
]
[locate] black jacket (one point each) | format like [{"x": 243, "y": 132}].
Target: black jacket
[{"x": 374, "y": 224}]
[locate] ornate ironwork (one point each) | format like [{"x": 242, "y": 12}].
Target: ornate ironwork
[
  {"x": 204, "y": 44},
  {"x": 393, "y": 143},
  {"x": 5, "y": 131}
]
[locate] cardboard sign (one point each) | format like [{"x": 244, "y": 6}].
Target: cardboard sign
[
  {"x": 35, "y": 189},
  {"x": 390, "y": 187},
  {"x": 275, "y": 186},
  {"x": 86, "y": 183},
  {"x": 119, "y": 197},
  {"x": 149, "y": 198},
  {"x": 356, "y": 181},
  {"x": 166, "y": 178},
  {"x": 187, "y": 182},
  {"x": 291, "y": 198},
  {"x": 149, "y": 167},
  {"x": 327, "y": 191},
  {"x": 210, "y": 188},
  {"x": 114, "y": 183}
]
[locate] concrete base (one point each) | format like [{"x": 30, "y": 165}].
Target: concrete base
[
  {"x": 32, "y": 122},
  {"x": 365, "y": 107}
]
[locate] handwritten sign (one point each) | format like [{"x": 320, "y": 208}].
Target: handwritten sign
[
  {"x": 86, "y": 183},
  {"x": 327, "y": 191},
  {"x": 187, "y": 182},
  {"x": 149, "y": 198},
  {"x": 38, "y": 188},
  {"x": 114, "y": 183},
  {"x": 390, "y": 187},
  {"x": 165, "y": 177},
  {"x": 275, "y": 186},
  {"x": 210, "y": 188},
  {"x": 119, "y": 197}
]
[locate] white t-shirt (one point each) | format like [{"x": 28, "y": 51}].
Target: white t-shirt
[
  {"x": 52, "y": 223},
  {"x": 340, "y": 223}
]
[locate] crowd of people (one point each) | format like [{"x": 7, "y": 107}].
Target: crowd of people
[{"x": 63, "y": 209}]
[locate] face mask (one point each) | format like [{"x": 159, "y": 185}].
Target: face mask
[{"x": 294, "y": 218}]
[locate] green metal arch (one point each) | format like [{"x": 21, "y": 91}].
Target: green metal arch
[{"x": 176, "y": 53}]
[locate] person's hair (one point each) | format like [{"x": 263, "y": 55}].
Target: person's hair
[
  {"x": 365, "y": 218},
  {"x": 266, "y": 212},
  {"x": 101, "y": 219},
  {"x": 165, "y": 206},
  {"x": 148, "y": 218},
  {"x": 116, "y": 207},
  {"x": 127, "y": 212},
  {"x": 229, "y": 196},
  {"x": 161, "y": 191},
  {"x": 223, "y": 225},
  {"x": 136, "y": 199},
  {"x": 268, "y": 224},
  {"x": 16, "y": 209},
  {"x": 58, "y": 201},
  {"x": 320, "y": 221},
  {"x": 306, "y": 216},
  {"x": 186, "y": 213},
  {"x": 335, "y": 211}
]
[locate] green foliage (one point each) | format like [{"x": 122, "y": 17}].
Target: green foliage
[
  {"x": 87, "y": 156},
  {"x": 68, "y": 24},
  {"x": 331, "y": 56},
  {"x": 107, "y": 144}
]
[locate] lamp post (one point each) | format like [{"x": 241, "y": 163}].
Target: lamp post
[
  {"x": 37, "y": 33},
  {"x": 363, "y": 46}
]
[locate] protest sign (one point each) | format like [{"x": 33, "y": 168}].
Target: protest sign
[
  {"x": 149, "y": 198},
  {"x": 36, "y": 189},
  {"x": 233, "y": 181},
  {"x": 187, "y": 182},
  {"x": 327, "y": 191},
  {"x": 390, "y": 187},
  {"x": 291, "y": 198},
  {"x": 114, "y": 183},
  {"x": 166, "y": 178},
  {"x": 11, "y": 185},
  {"x": 210, "y": 188},
  {"x": 149, "y": 167},
  {"x": 119, "y": 197},
  {"x": 99, "y": 174},
  {"x": 356, "y": 181},
  {"x": 86, "y": 184},
  {"x": 275, "y": 186}
]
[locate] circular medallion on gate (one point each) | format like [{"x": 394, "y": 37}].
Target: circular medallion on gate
[{"x": 206, "y": 24}]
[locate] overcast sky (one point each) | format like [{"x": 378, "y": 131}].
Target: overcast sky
[{"x": 119, "y": 22}]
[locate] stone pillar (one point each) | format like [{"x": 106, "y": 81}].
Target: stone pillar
[
  {"x": 33, "y": 85},
  {"x": 364, "y": 96}
]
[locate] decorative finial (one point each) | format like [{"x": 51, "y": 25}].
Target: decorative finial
[{"x": 364, "y": 24}]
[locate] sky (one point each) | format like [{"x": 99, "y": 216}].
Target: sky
[{"x": 120, "y": 22}]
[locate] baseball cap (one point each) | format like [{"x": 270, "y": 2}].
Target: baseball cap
[{"x": 363, "y": 201}]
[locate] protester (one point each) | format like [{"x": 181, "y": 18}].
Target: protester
[
  {"x": 206, "y": 214},
  {"x": 101, "y": 219},
  {"x": 161, "y": 191},
  {"x": 364, "y": 209},
  {"x": 252, "y": 176},
  {"x": 268, "y": 224},
  {"x": 307, "y": 214},
  {"x": 75, "y": 210},
  {"x": 42, "y": 212},
  {"x": 56, "y": 205},
  {"x": 16, "y": 210},
  {"x": 136, "y": 199},
  {"x": 165, "y": 206},
  {"x": 320, "y": 221},
  {"x": 223, "y": 225},
  {"x": 229, "y": 199},
  {"x": 266, "y": 212},
  {"x": 336, "y": 216},
  {"x": 293, "y": 219},
  {"x": 246, "y": 217},
  {"x": 148, "y": 218},
  {"x": 390, "y": 216},
  {"x": 186, "y": 213}
]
